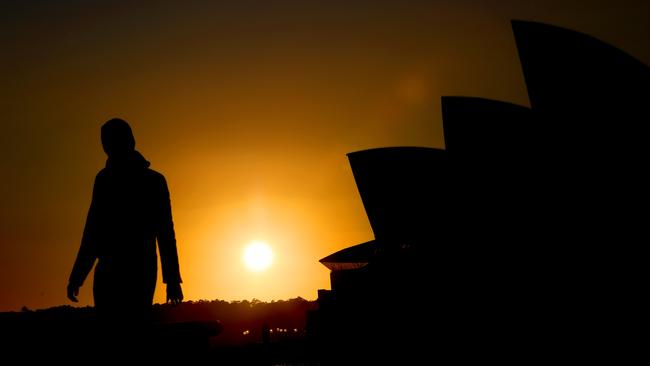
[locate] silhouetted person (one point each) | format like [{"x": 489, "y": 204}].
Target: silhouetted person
[{"x": 130, "y": 210}]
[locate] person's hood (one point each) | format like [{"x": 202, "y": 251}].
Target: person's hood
[{"x": 131, "y": 161}]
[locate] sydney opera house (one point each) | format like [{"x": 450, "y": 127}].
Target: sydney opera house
[{"x": 511, "y": 240}]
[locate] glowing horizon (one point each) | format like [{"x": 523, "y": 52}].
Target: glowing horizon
[{"x": 249, "y": 111}]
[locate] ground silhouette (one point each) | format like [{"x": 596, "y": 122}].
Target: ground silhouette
[{"x": 205, "y": 330}]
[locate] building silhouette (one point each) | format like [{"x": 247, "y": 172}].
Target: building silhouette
[{"x": 513, "y": 241}]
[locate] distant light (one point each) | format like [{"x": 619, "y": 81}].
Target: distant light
[
  {"x": 246, "y": 332},
  {"x": 258, "y": 256},
  {"x": 295, "y": 330}
]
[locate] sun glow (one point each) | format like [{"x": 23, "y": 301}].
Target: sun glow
[{"x": 258, "y": 256}]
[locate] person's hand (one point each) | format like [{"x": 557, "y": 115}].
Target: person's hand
[
  {"x": 73, "y": 292},
  {"x": 174, "y": 293}
]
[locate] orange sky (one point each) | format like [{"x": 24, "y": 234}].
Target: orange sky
[{"x": 248, "y": 109}]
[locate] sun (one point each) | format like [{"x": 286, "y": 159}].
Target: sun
[{"x": 258, "y": 256}]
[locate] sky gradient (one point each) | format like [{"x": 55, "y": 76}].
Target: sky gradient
[{"x": 248, "y": 109}]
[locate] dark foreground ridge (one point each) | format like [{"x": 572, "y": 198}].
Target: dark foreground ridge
[{"x": 231, "y": 332}]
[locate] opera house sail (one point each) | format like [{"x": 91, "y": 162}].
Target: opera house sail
[{"x": 505, "y": 230}]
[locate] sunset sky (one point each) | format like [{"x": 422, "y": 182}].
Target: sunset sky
[{"x": 248, "y": 108}]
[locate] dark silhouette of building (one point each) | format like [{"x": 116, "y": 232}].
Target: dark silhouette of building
[
  {"x": 517, "y": 233},
  {"x": 129, "y": 212},
  {"x": 367, "y": 305}
]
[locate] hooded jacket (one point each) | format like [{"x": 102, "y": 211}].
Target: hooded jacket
[{"x": 129, "y": 212}]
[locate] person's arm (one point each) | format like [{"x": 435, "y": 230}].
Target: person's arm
[
  {"x": 167, "y": 247},
  {"x": 88, "y": 250}
]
